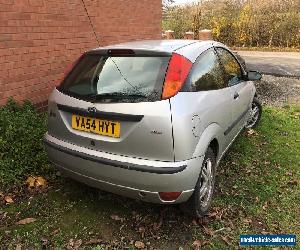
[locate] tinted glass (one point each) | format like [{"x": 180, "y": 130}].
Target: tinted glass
[
  {"x": 126, "y": 75},
  {"x": 206, "y": 73},
  {"x": 233, "y": 72}
]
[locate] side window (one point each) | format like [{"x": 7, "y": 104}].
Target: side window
[
  {"x": 206, "y": 73},
  {"x": 233, "y": 72}
]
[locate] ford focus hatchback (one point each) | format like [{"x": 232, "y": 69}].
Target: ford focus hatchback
[{"x": 151, "y": 119}]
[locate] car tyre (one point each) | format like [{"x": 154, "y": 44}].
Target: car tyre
[
  {"x": 199, "y": 203},
  {"x": 255, "y": 114}
]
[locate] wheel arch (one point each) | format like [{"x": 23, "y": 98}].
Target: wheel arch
[
  {"x": 214, "y": 145},
  {"x": 210, "y": 137}
]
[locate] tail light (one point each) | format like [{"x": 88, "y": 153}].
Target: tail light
[
  {"x": 120, "y": 52},
  {"x": 68, "y": 70},
  {"x": 169, "y": 196},
  {"x": 178, "y": 70}
]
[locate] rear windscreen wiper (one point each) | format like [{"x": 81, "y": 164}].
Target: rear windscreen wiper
[{"x": 103, "y": 96}]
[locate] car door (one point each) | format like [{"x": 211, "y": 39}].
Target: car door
[
  {"x": 204, "y": 100},
  {"x": 240, "y": 90}
]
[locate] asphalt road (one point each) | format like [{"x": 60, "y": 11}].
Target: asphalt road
[{"x": 273, "y": 63}]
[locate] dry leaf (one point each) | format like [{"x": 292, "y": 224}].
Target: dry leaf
[
  {"x": 40, "y": 181},
  {"x": 203, "y": 221},
  {"x": 36, "y": 181},
  {"x": 44, "y": 241},
  {"x": 231, "y": 225},
  {"x": 265, "y": 206},
  {"x": 2, "y": 216},
  {"x": 196, "y": 245},
  {"x": 226, "y": 240},
  {"x": 194, "y": 222},
  {"x": 94, "y": 241},
  {"x": 26, "y": 221},
  {"x": 116, "y": 217},
  {"x": 247, "y": 221},
  {"x": 77, "y": 244},
  {"x": 55, "y": 232},
  {"x": 293, "y": 182},
  {"x": 73, "y": 245},
  {"x": 139, "y": 245},
  {"x": 30, "y": 182},
  {"x": 1, "y": 195},
  {"x": 212, "y": 215},
  {"x": 142, "y": 231},
  {"x": 8, "y": 200},
  {"x": 251, "y": 132},
  {"x": 208, "y": 231},
  {"x": 18, "y": 247}
]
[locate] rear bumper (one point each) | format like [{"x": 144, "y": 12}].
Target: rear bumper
[{"x": 127, "y": 176}]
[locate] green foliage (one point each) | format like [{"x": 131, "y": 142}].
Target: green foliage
[
  {"x": 21, "y": 143},
  {"x": 272, "y": 23}
]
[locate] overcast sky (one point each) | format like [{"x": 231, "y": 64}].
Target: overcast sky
[{"x": 184, "y": 1}]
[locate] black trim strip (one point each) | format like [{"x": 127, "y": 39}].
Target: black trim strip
[
  {"x": 227, "y": 131},
  {"x": 128, "y": 166},
  {"x": 101, "y": 114}
]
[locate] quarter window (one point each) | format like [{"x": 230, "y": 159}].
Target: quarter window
[
  {"x": 233, "y": 72},
  {"x": 206, "y": 74}
]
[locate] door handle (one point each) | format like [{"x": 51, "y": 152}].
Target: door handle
[{"x": 236, "y": 95}]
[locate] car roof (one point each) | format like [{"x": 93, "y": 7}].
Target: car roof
[
  {"x": 188, "y": 48},
  {"x": 157, "y": 45}
]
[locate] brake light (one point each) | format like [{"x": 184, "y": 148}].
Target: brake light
[
  {"x": 178, "y": 70},
  {"x": 120, "y": 52},
  {"x": 69, "y": 69},
  {"x": 169, "y": 196}
]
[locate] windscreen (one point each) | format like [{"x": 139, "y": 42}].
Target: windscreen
[{"x": 117, "y": 78}]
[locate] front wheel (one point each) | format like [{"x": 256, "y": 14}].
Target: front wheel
[
  {"x": 255, "y": 114},
  {"x": 199, "y": 203}
]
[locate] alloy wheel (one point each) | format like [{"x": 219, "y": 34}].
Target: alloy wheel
[
  {"x": 206, "y": 181},
  {"x": 253, "y": 116}
]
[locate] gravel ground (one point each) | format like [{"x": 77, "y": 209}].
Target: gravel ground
[{"x": 278, "y": 91}]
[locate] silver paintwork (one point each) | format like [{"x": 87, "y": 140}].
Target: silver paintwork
[
  {"x": 173, "y": 132},
  {"x": 157, "y": 117},
  {"x": 123, "y": 181},
  {"x": 168, "y": 46}
]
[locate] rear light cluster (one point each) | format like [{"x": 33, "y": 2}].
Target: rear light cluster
[
  {"x": 169, "y": 196},
  {"x": 178, "y": 70},
  {"x": 68, "y": 70}
]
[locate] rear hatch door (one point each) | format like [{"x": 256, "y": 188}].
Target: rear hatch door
[{"x": 111, "y": 102}]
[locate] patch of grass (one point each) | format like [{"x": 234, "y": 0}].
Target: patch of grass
[
  {"x": 21, "y": 148},
  {"x": 258, "y": 191},
  {"x": 263, "y": 170}
]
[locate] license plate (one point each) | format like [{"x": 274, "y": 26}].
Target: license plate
[{"x": 97, "y": 126}]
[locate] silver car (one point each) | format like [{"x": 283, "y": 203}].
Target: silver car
[{"x": 151, "y": 119}]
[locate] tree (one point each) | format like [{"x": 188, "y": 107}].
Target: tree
[{"x": 238, "y": 22}]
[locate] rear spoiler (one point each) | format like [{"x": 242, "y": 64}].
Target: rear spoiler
[{"x": 129, "y": 52}]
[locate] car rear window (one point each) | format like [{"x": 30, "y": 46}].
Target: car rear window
[{"x": 117, "y": 78}]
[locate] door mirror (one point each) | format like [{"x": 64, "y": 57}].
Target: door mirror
[{"x": 254, "y": 75}]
